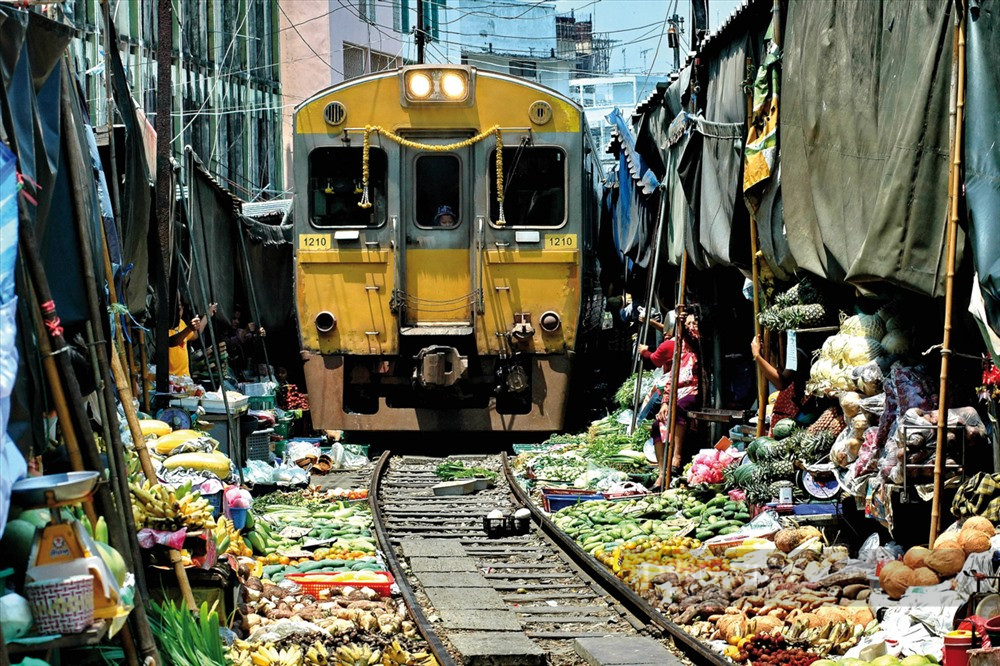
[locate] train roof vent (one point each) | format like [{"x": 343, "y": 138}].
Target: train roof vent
[{"x": 335, "y": 113}]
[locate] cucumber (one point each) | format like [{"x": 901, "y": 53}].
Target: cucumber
[
  {"x": 729, "y": 530},
  {"x": 702, "y": 535},
  {"x": 729, "y": 506},
  {"x": 743, "y": 517},
  {"x": 715, "y": 511},
  {"x": 718, "y": 500},
  {"x": 306, "y": 567}
]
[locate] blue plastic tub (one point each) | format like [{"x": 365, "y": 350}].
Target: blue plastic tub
[{"x": 555, "y": 502}]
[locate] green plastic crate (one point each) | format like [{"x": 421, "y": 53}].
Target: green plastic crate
[{"x": 261, "y": 402}]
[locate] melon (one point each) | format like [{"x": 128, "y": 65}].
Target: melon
[
  {"x": 114, "y": 560},
  {"x": 15, "y": 545},
  {"x": 915, "y": 660}
]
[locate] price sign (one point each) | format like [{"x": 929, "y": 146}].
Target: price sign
[
  {"x": 314, "y": 242},
  {"x": 560, "y": 241}
]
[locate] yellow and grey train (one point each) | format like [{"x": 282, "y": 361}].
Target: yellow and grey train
[{"x": 445, "y": 231}]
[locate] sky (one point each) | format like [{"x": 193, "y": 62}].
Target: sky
[{"x": 638, "y": 24}]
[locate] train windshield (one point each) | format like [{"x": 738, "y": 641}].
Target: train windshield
[
  {"x": 438, "y": 191},
  {"x": 335, "y": 186},
  {"x": 534, "y": 181}
]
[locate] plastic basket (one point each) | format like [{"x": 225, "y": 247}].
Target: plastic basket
[
  {"x": 505, "y": 525},
  {"x": 553, "y": 503},
  {"x": 215, "y": 501},
  {"x": 62, "y": 606},
  {"x": 314, "y": 587},
  {"x": 261, "y": 402},
  {"x": 259, "y": 444},
  {"x": 239, "y": 517},
  {"x": 283, "y": 426}
]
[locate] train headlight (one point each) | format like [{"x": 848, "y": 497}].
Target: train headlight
[
  {"x": 419, "y": 85},
  {"x": 550, "y": 322},
  {"x": 453, "y": 85},
  {"x": 435, "y": 84}
]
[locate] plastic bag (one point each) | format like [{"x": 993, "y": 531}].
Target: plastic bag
[
  {"x": 238, "y": 499},
  {"x": 258, "y": 471},
  {"x": 890, "y": 462},
  {"x": 845, "y": 449},
  {"x": 868, "y": 378},
  {"x": 867, "y": 460},
  {"x": 279, "y": 630},
  {"x": 290, "y": 475},
  {"x": 344, "y": 459},
  {"x": 873, "y": 553}
]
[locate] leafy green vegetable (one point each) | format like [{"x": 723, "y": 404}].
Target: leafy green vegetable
[
  {"x": 184, "y": 640},
  {"x": 456, "y": 469}
]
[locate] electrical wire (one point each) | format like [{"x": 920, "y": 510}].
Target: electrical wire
[
  {"x": 325, "y": 61},
  {"x": 656, "y": 53}
]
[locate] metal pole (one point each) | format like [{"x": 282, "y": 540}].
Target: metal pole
[
  {"x": 420, "y": 32},
  {"x": 164, "y": 193},
  {"x": 253, "y": 296},
  {"x": 958, "y": 114},
  {"x": 636, "y": 357},
  {"x": 234, "y": 443}
]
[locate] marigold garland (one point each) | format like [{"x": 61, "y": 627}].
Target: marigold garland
[{"x": 435, "y": 148}]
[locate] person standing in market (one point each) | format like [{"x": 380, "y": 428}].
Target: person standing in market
[
  {"x": 686, "y": 392},
  {"x": 183, "y": 333},
  {"x": 790, "y": 381}
]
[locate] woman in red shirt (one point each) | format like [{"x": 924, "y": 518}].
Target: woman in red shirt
[{"x": 687, "y": 390}]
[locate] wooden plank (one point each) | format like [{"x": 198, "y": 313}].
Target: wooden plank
[
  {"x": 511, "y": 576},
  {"x": 555, "y": 610},
  {"x": 526, "y": 565},
  {"x": 562, "y": 635},
  {"x": 517, "y": 598},
  {"x": 562, "y": 619},
  {"x": 539, "y": 586}
]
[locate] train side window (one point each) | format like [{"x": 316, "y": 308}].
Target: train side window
[
  {"x": 534, "y": 179},
  {"x": 438, "y": 188},
  {"x": 335, "y": 185}
]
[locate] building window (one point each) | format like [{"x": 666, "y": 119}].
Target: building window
[
  {"x": 524, "y": 68},
  {"x": 355, "y": 61},
  {"x": 335, "y": 187},
  {"x": 366, "y": 10},
  {"x": 381, "y": 62},
  {"x": 534, "y": 186},
  {"x": 438, "y": 190}
]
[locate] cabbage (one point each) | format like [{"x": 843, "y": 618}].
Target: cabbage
[
  {"x": 895, "y": 342},
  {"x": 821, "y": 370},
  {"x": 15, "y": 616},
  {"x": 865, "y": 326},
  {"x": 861, "y": 350}
]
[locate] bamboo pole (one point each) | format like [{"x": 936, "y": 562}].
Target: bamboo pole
[
  {"x": 958, "y": 113},
  {"x": 144, "y": 364},
  {"x": 50, "y": 318},
  {"x": 675, "y": 371},
  {"x": 62, "y": 410},
  {"x": 755, "y": 277}
]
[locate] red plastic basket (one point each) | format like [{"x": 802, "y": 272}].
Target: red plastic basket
[{"x": 315, "y": 587}]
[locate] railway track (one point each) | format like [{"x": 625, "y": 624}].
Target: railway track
[{"x": 534, "y": 598}]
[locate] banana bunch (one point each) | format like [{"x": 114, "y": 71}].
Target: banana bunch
[
  {"x": 229, "y": 540},
  {"x": 833, "y": 638},
  {"x": 395, "y": 654},
  {"x": 243, "y": 653},
  {"x": 317, "y": 655},
  {"x": 356, "y": 655},
  {"x": 156, "y": 507}
]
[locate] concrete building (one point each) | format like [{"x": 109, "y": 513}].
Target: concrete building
[
  {"x": 599, "y": 96},
  {"x": 325, "y": 42},
  {"x": 225, "y": 75}
]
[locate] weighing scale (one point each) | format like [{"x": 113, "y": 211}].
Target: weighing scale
[
  {"x": 63, "y": 548},
  {"x": 175, "y": 417}
]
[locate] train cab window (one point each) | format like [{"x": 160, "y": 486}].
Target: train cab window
[
  {"x": 534, "y": 179},
  {"x": 438, "y": 190},
  {"x": 335, "y": 186}
]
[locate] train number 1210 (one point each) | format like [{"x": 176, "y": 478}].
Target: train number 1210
[
  {"x": 314, "y": 242},
  {"x": 561, "y": 241}
]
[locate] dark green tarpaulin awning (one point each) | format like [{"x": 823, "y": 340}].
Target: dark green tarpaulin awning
[
  {"x": 864, "y": 139},
  {"x": 982, "y": 148}
]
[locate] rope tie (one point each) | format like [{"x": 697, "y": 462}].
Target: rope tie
[{"x": 51, "y": 320}]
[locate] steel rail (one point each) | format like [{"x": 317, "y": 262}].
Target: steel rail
[
  {"x": 437, "y": 648},
  {"x": 615, "y": 588}
]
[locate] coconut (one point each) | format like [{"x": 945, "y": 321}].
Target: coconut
[
  {"x": 895, "y": 579},
  {"x": 924, "y": 577},
  {"x": 764, "y": 624},
  {"x": 947, "y": 540},
  {"x": 973, "y": 541},
  {"x": 946, "y": 561},
  {"x": 860, "y": 613},
  {"x": 831, "y": 614},
  {"x": 914, "y": 557},
  {"x": 981, "y": 524}
]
